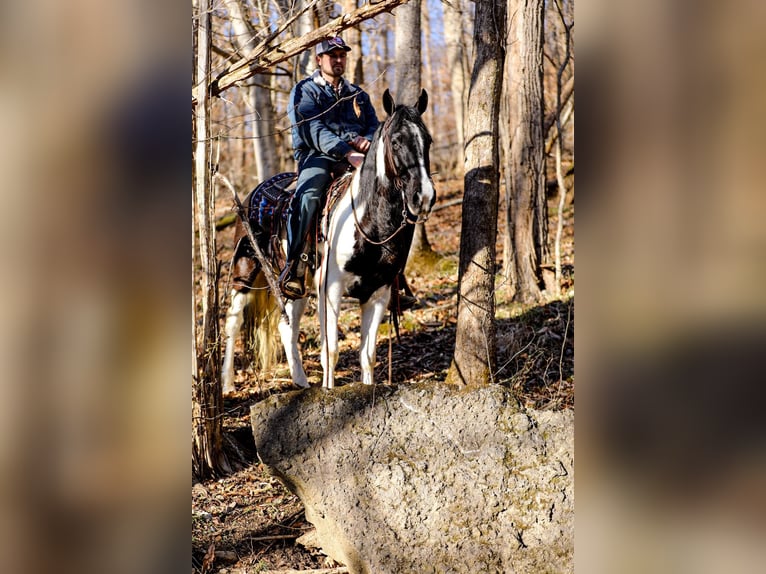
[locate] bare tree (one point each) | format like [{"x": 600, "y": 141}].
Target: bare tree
[
  {"x": 408, "y": 53},
  {"x": 526, "y": 160},
  {"x": 408, "y": 86},
  {"x": 303, "y": 25},
  {"x": 457, "y": 70},
  {"x": 561, "y": 117},
  {"x": 475, "y": 355},
  {"x": 208, "y": 457},
  {"x": 257, "y": 96},
  {"x": 353, "y": 37}
]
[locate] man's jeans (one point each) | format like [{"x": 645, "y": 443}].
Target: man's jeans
[{"x": 313, "y": 179}]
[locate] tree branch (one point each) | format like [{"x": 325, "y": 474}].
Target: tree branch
[{"x": 266, "y": 56}]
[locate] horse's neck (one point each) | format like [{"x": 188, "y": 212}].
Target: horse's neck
[{"x": 375, "y": 198}]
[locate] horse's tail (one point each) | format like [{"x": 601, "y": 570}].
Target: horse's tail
[{"x": 261, "y": 320}]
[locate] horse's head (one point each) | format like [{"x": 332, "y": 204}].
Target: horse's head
[{"x": 404, "y": 158}]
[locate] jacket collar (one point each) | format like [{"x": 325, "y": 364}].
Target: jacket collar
[{"x": 319, "y": 80}]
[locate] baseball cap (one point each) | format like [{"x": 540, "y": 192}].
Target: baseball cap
[{"x": 331, "y": 44}]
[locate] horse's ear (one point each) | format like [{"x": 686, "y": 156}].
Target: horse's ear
[
  {"x": 422, "y": 102},
  {"x": 388, "y": 102}
]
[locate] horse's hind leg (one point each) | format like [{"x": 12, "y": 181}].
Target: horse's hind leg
[
  {"x": 372, "y": 315},
  {"x": 289, "y": 334},
  {"x": 234, "y": 319}
]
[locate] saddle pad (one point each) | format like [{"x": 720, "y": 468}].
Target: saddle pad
[{"x": 270, "y": 201}]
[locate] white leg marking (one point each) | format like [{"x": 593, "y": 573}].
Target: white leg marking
[
  {"x": 289, "y": 334},
  {"x": 234, "y": 318},
  {"x": 329, "y": 309},
  {"x": 372, "y": 314},
  {"x": 332, "y": 281}
]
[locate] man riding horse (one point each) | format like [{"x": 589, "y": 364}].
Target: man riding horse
[{"x": 333, "y": 122}]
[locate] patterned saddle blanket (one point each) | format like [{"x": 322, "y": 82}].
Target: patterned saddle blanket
[{"x": 270, "y": 201}]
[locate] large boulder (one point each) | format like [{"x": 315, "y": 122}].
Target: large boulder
[{"x": 426, "y": 478}]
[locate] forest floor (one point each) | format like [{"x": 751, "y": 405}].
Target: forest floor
[{"x": 248, "y": 522}]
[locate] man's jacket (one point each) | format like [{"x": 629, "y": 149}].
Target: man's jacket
[{"x": 323, "y": 121}]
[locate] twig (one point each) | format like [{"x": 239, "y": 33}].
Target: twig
[
  {"x": 267, "y": 269},
  {"x": 275, "y": 537},
  {"x": 447, "y": 204},
  {"x": 563, "y": 347},
  {"x": 339, "y": 570}
]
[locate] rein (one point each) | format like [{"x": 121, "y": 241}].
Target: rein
[{"x": 406, "y": 220}]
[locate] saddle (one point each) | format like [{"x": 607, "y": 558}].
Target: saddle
[{"x": 269, "y": 208}]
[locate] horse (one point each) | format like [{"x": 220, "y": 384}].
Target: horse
[{"x": 364, "y": 241}]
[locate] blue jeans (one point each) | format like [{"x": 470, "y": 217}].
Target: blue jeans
[{"x": 313, "y": 180}]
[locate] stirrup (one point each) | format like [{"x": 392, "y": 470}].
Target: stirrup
[{"x": 292, "y": 284}]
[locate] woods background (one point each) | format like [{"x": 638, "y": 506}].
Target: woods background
[{"x": 458, "y": 53}]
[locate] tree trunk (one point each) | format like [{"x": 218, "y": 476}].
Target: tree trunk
[
  {"x": 208, "y": 458},
  {"x": 408, "y": 86},
  {"x": 408, "y": 50},
  {"x": 304, "y": 25},
  {"x": 257, "y": 96},
  {"x": 264, "y": 145},
  {"x": 475, "y": 344},
  {"x": 453, "y": 38},
  {"x": 509, "y": 261},
  {"x": 530, "y": 223},
  {"x": 353, "y": 37}
]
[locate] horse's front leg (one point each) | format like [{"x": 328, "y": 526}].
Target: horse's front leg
[
  {"x": 234, "y": 319},
  {"x": 289, "y": 334},
  {"x": 329, "y": 295},
  {"x": 372, "y": 315}
]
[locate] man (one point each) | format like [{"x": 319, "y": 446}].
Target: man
[{"x": 332, "y": 120}]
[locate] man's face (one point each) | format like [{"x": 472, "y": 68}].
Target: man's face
[{"x": 332, "y": 63}]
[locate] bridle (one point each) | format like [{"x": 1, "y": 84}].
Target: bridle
[{"x": 398, "y": 185}]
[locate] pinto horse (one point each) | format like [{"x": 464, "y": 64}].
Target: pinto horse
[{"x": 364, "y": 241}]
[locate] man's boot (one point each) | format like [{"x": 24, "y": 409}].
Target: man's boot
[{"x": 292, "y": 280}]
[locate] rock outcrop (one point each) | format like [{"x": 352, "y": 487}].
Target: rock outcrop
[{"x": 426, "y": 478}]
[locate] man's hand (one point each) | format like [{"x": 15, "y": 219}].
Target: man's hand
[
  {"x": 355, "y": 158},
  {"x": 360, "y": 144}
]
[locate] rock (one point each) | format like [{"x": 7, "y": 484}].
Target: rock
[{"x": 424, "y": 478}]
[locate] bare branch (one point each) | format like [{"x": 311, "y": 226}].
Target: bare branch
[{"x": 266, "y": 56}]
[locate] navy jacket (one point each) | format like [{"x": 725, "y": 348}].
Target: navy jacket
[{"x": 323, "y": 122}]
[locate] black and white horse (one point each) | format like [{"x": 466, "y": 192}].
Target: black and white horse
[{"x": 367, "y": 239}]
